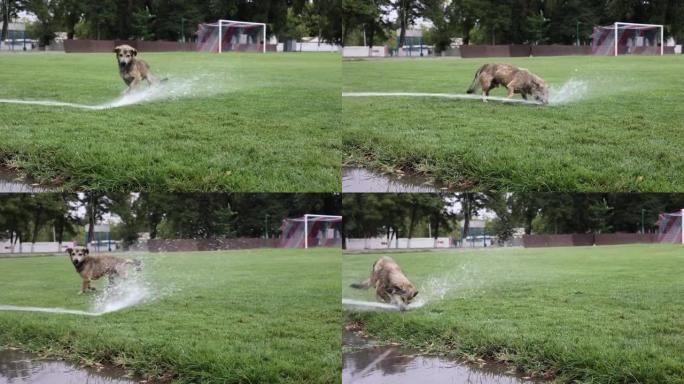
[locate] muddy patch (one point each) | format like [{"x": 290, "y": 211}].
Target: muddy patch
[
  {"x": 23, "y": 368},
  {"x": 362, "y": 180},
  {"x": 366, "y": 362},
  {"x": 11, "y": 182}
]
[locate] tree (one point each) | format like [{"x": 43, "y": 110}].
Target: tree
[
  {"x": 471, "y": 203},
  {"x": 10, "y": 9},
  {"x": 71, "y": 12},
  {"x": 407, "y": 13},
  {"x": 47, "y": 19},
  {"x": 438, "y": 11}
]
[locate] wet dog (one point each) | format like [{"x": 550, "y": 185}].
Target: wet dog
[
  {"x": 390, "y": 283},
  {"x": 94, "y": 267},
  {"x": 133, "y": 70},
  {"x": 516, "y": 80}
]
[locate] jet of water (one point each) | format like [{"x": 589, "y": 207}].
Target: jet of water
[
  {"x": 441, "y": 95},
  {"x": 171, "y": 89}
]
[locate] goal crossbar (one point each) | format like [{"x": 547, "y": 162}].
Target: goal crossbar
[
  {"x": 306, "y": 224},
  {"x": 220, "y": 26},
  {"x": 617, "y": 25}
]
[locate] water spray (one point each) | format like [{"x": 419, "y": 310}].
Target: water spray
[
  {"x": 122, "y": 294},
  {"x": 197, "y": 85}
]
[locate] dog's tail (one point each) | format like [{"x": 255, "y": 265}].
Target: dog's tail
[
  {"x": 363, "y": 285},
  {"x": 475, "y": 83}
]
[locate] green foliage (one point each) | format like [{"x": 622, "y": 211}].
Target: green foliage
[
  {"x": 395, "y": 215},
  {"x": 163, "y": 215}
]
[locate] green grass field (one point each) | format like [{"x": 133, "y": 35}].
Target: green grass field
[
  {"x": 251, "y": 122},
  {"x": 260, "y": 316},
  {"x": 625, "y": 135},
  {"x": 608, "y": 314}
]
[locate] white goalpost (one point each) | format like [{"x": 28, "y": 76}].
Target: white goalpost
[
  {"x": 231, "y": 35},
  {"x": 308, "y": 217},
  {"x": 622, "y": 38},
  {"x": 671, "y": 227},
  {"x": 312, "y": 230}
]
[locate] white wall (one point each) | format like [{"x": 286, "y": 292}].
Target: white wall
[
  {"x": 381, "y": 243},
  {"x": 316, "y": 47},
  {"x": 39, "y": 247},
  {"x": 361, "y": 51}
]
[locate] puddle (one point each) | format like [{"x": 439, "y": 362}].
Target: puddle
[
  {"x": 374, "y": 364},
  {"x": 361, "y": 180},
  {"x": 22, "y": 368},
  {"x": 11, "y": 183}
]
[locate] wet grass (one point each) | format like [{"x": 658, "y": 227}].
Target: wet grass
[
  {"x": 625, "y": 135},
  {"x": 261, "y": 316},
  {"x": 251, "y": 122},
  {"x": 609, "y": 314}
]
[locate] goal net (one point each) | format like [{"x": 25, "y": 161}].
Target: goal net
[
  {"x": 312, "y": 231},
  {"x": 230, "y": 35},
  {"x": 670, "y": 229},
  {"x": 628, "y": 39}
]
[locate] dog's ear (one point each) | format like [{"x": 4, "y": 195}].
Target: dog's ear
[
  {"x": 134, "y": 51},
  {"x": 70, "y": 251},
  {"x": 86, "y": 251},
  {"x": 117, "y": 49}
]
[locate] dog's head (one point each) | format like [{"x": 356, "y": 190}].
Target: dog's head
[
  {"x": 403, "y": 295},
  {"x": 540, "y": 91},
  {"x": 77, "y": 255},
  {"x": 125, "y": 54}
]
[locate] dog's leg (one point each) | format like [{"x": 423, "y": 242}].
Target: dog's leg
[
  {"x": 85, "y": 286},
  {"x": 485, "y": 95},
  {"x": 152, "y": 79},
  {"x": 133, "y": 85},
  {"x": 511, "y": 90}
]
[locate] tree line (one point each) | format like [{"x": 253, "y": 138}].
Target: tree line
[
  {"x": 410, "y": 215},
  {"x": 501, "y": 21},
  {"x": 27, "y": 218},
  {"x": 174, "y": 20}
]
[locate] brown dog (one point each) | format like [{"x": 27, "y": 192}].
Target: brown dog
[
  {"x": 92, "y": 268},
  {"x": 516, "y": 80},
  {"x": 391, "y": 285},
  {"x": 132, "y": 70}
]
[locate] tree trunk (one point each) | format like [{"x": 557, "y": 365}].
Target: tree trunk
[
  {"x": 91, "y": 218},
  {"x": 5, "y": 20},
  {"x": 402, "y": 33},
  {"x": 437, "y": 220},
  {"x": 466, "y": 216},
  {"x": 412, "y": 223}
]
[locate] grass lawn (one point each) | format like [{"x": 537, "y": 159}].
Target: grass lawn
[
  {"x": 259, "y": 316},
  {"x": 238, "y": 122},
  {"x": 626, "y": 134},
  {"x": 608, "y": 314}
]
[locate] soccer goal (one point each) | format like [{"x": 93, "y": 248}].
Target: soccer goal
[
  {"x": 628, "y": 39},
  {"x": 312, "y": 231},
  {"x": 230, "y": 36},
  {"x": 670, "y": 228}
]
